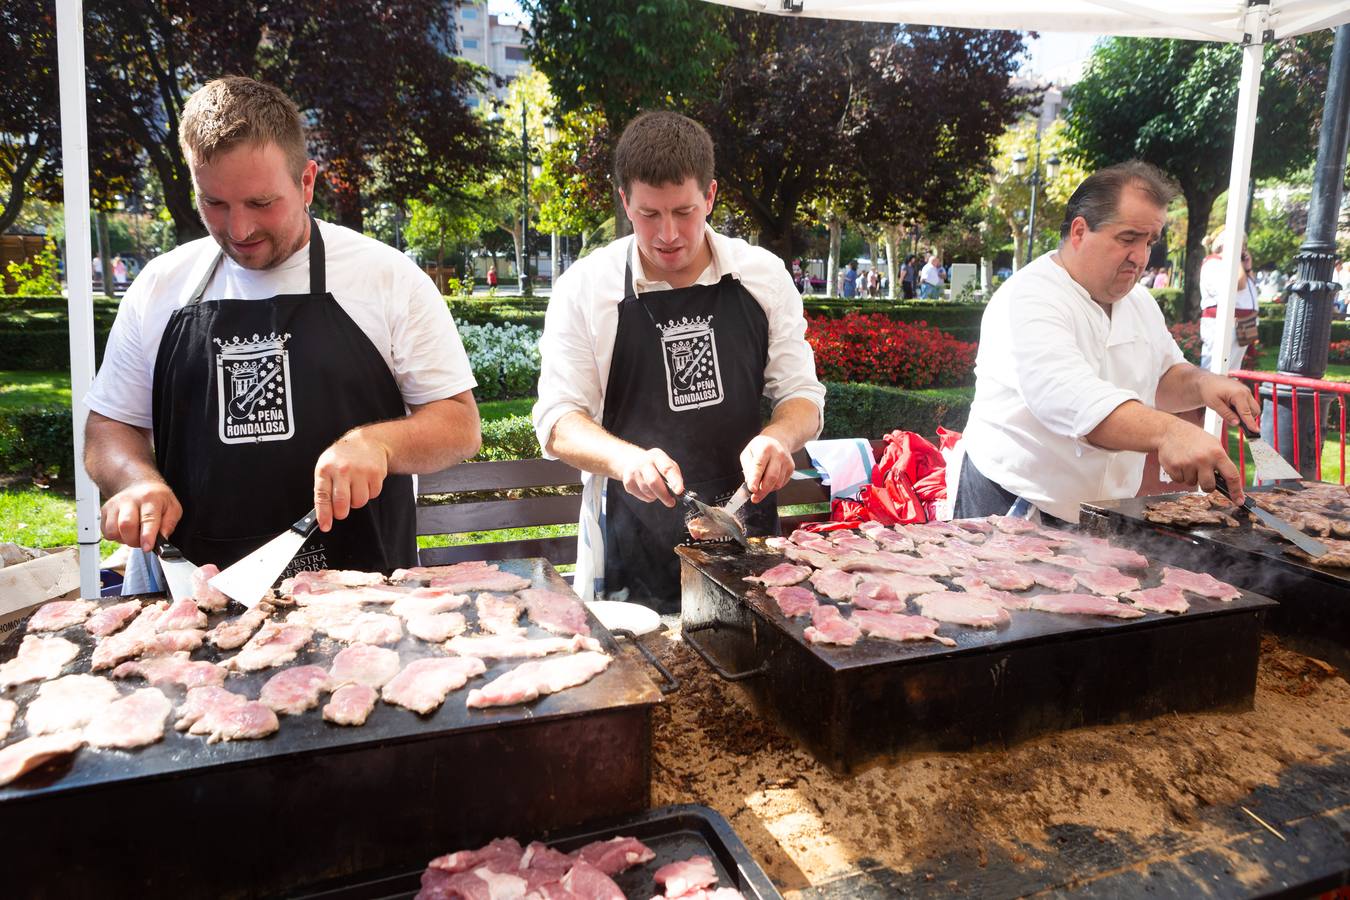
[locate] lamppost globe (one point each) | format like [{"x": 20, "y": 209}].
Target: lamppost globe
[
  {"x": 1052, "y": 167},
  {"x": 1019, "y": 164}
]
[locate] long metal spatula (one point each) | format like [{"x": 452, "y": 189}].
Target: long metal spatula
[
  {"x": 249, "y": 579},
  {"x": 1291, "y": 534},
  {"x": 178, "y": 570},
  {"x": 1270, "y": 465},
  {"x": 718, "y": 518}
]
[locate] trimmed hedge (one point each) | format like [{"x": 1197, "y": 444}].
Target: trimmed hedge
[
  {"x": 1173, "y": 303},
  {"x": 509, "y": 438},
  {"x": 871, "y": 411},
  {"x": 38, "y": 439},
  {"x": 1271, "y": 330}
]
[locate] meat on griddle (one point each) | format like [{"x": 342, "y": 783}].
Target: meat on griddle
[
  {"x": 828, "y": 626},
  {"x": 132, "y": 721},
  {"x": 532, "y": 680},
  {"x": 1338, "y": 556},
  {"x": 350, "y": 705}
]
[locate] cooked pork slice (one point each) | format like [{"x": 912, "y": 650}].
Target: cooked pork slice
[
  {"x": 1337, "y": 557},
  {"x": 111, "y": 618},
  {"x": 464, "y": 577},
  {"x": 961, "y": 534},
  {"x": 895, "y": 627},
  {"x": 499, "y": 615},
  {"x": 615, "y": 855},
  {"x": 1163, "y": 598},
  {"x": 975, "y": 526},
  {"x": 225, "y": 716},
  {"x": 130, "y": 641},
  {"x": 68, "y": 703},
  {"x": 1004, "y": 599},
  {"x": 38, "y": 659},
  {"x": 436, "y": 628},
  {"x": 776, "y": 543},
  {"x": 132, "y": 721},
  {"x": 1106, "y": 581},
  {"x": 325, "y": 616},
  {"x": 1204, "y": 584},
  {"x": 363, "y": 664},
  {"x": 24, "y": 756},
  {"x": 962, "y": 609},
  {"x": 183, "y": 614},
  {"x": 828, "y": 626},
  {"x": 1003, "y": 576},
  {"x": 793, "y": 600},
  {"x": 1012, "y": 524},
  {"x": 848, "y": 542},
  {"x": 368, "y": 628},
  {"x": 814, "y": 558},
  {"x": 8, "y": 710},
  {"x": 428, "y": 602},
  {"x": 58, "y": 614},
  {"x": 782, "y": 575},
  {"x": 1066, "y": 561},
  {"x": 906, "y": 585},
  {"x": 208, "y": 598},
  {"x": 890, "y": 539},
  {"x": 1028, "y": 546},
  {"x": 234, "y": 633},
  {"x": 1118, "y": 557},
  {"x": 1053, "y": 577},
  {"x": 834, "y": 584},
  {"x": 324, "y": 580},
  {"x": 1084, "y": 604},
  {"x": 996, "y": 551},
  {"x": 875, "y": 593},
  {"x": 687, "y": 875},
  {"x": 350, "y": 704},
  {"x": 176, "y": 668},
  {"x": 956, "y": 555},
  {"x": 273, "y": 645},
  {"x": 294, "y": 690},
  {"x": 888, "y": 561},
  {"x": 555, "y": 611},
  {"x": 531, "y": 680},
  {"x": 423, "y": 684},
  {"x": 495, "y": 646}
]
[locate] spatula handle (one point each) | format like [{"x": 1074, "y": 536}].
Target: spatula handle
[{"x": 306, "y": 524}]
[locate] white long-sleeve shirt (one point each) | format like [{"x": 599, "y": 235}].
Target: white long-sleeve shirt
[{"x": 1051, "y": 366}]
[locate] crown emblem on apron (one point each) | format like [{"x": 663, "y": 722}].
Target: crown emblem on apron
[{"x": 253, "y": 389}]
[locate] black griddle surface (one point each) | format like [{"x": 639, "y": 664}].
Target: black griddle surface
[{"x": 623, "y": 684}]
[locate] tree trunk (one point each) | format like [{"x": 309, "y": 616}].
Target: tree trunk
[
  {"x": 105, "y": 258},
  {"x": 890, "y": 234},
  {"x": 832, "y": 266},
  {"x": 440, "y": 263},
  {"x": 1017, "y": 245},
  {"x": 1198, "y": 207},
  {"x": 18, "y": 185}
]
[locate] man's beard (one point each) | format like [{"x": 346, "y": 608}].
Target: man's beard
[{"x": 274, "y": 258}]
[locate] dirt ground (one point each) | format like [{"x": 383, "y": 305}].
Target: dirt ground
[{"x": 807, "y": 825}]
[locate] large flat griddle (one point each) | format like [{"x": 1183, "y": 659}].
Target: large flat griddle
[
  {"x": 1314, "y": 601},
  {"x": 1043, "y": 672},
  {"x": 339, "y": 799}
]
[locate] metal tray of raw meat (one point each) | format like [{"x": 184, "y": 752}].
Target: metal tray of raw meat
[
  {"x": 316, "y": 800},
  {"x": 1041, "y": 673},
  {"x": 1314, "y": 601},
  {"x": 672, "y": 832}
]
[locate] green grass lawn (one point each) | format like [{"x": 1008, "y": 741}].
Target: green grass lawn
[
  {"x": 19, "y": 389},
  {"x": 34, "y": 517}
]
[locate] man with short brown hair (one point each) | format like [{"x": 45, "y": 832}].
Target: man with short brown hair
[{"x": 655, "y": 354}]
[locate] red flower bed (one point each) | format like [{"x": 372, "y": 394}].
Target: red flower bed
[
  {"x": 1187, "y": 336},
  {"x": 873, "y": 349},
  {"x": 1339, "y": 352}
]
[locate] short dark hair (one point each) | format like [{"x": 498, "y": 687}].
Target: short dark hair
[
  {"x": 233, "y": 111},
  {"x": 1097, "y": 199},
  {"x": 660, "y": 148}
]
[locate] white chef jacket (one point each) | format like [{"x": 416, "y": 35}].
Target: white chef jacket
[
  {"x": 1051, "y": 366},
  {"x": 577, "y": 348}
]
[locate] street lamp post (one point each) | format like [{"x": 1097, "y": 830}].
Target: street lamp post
[
  {"x": 523, "y": 270},
  {"x": 1019, "y": 162}
]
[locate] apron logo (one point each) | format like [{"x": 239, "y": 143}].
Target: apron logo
[
  {"x": 253, "y": 389},
  {"x": 692, "y": 374}
]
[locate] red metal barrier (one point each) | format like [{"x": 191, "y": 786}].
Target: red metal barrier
[{"x": 1296, "y": 384}]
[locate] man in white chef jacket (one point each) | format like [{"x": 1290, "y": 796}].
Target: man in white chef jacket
[{"x": 1077, "y": 377}]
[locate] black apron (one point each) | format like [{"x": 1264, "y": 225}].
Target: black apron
[
  {"x": 247, "y": 396},
  {"x": 687, "y": 376}
]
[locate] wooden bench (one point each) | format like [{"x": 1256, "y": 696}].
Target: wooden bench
[{"x": 491, "y": 496}]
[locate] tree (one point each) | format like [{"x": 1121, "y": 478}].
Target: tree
[
  {"x": 1273, "y": 237},
  {"x": 1171, "y": 103},
  {"x": 575, "y": 178},
  {"x": 1010, "y": 194}
]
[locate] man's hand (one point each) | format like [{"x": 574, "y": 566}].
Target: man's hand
[
  {"x": 1189, "y": 455},
  {"x": 767, "y": 465},
  {"x": 140, "y": 512},
  {"x": 652, "y": 475},
  {"x": 1231, "y": 400},
  {"x": 349, "y": 474}
]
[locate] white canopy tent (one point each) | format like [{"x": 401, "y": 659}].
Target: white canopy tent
[{"x": 1231, "y": 21}]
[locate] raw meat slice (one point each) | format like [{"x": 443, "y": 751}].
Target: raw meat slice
[
  {"x": 906, "y": 585},
  {"x": 875, "y": 593},
  {"x": 1002, "y": 576},
  {"x": 500, "y": 855},
  {"x": 1114, "y": 556},
  {"x": 24, "y": 756},
  {"x": 183, "y": 614},
  {"x": 975, "y": 526},
  {"x": 111, "y": 618},
  {"x": 38, "y": 659},
  {"x": 58, "y": 614},
  {"x": 273, "y": 645},
  {"x": 1084, "y": 604},
  {"x": 793, "y": 600},
  {"x": 1004, "y": 599},
  {"x": 323, "y": 617},
  {"x": 924, "y": 534},
  {"x": 68, "y": 703},
  {"x": 1069, "y": 562},
  {"x": 234, "y": 633},
  {"x": 133, "y": 721},
  {"x": 1053, "y": 577},
  {"x": 294, "y": 690},
  {"x": 427, "y": 602},
  {"x": 369, "y": 628},
  {"x": 889, "y": 539},
  {"x": 776, "y": 543},
  {"x": 954, "y": 557},
  {"x": 1013, "y": 525},
  {"x": 1204, "y": 584},
  {"x": 498, "y": 615},
  {"x": 363, "y": 664},
  {"x": 8, "y": 710},
  {"x": 828, "y": 626},
  {"x": 801, "y": 536},
  {"x": 887, "y": 561},
  {"x": 369, "y": 593},
  {"x": 423, "y": 684},
  {"x": 852, "y": 543},
  {"x": 809, "y": 557},
  {"x": 584, "y": 880},
  {"x": 176, "y": 668},
  {"x": 208, "y": 598},
  {"x": 781, "y": 575},
  {"x": 687, "y": 875},
  {"x": 317, "y": 582},
  {"x": 894, "y": 627},
  {"x": 834, "y": 584},
  {"x": 555, "y": 611},
  {"x": 1106, "y": 581},
  {"x": 491, "y": 646},
  {"x": 225, "y": 716},
  {"x": 1163, "y": 598},
  {"x": 172, "y": 642},
  {"x": 436, "y": 628},
  {"x": 960, "y": 534},
  {"x": 463, "y": 577},
  {"x": 996, "y": 551},
  {"x": 130, "y": 641},
  {"x": 350, "y": 704},
  {"x": 962, "y": 609},
  {"x": 615, "y": 855},
  {"x": 531, "y": 680}
]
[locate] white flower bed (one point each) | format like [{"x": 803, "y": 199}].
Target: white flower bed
[{"x": 505, "y": 359}]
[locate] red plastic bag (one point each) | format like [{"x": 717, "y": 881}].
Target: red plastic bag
[{"x": 908, "y": 480}]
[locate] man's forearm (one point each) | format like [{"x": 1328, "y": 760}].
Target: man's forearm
[
  {"x": 580, "y": 441},
  {"x": 433, "y": 437},
  {"x": 794, "y": 422},
  {"x": 1132, "y": 426},
  {"x": 1179, "y": 388},
  {"x": 117, "y": 454}
]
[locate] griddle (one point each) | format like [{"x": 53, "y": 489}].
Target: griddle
[
  {"x": 1314, "y": 601},
  {"x": 315, "y": 800},
  {"x": 1041, "y": 673},
  {"x": 671, "y": 832}
]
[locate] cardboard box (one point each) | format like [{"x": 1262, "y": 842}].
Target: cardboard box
[{"x": 28, "y": 585}]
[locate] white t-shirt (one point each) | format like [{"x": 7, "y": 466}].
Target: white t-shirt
[
  {"x": 389, "y": 298},
  {"x": 1213, "y": 278},
  {"x": 931, "y": 274},
  {"x": 1051, "y": 366}
]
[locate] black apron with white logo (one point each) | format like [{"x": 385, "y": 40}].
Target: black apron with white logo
[
  {"x": 247, "y": 396},
  {"x": 687, "y": 376}
]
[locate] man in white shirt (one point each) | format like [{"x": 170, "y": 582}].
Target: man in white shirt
[
  {"x": 930, "y": 279},
  {"x": 236, "y": 391},
  {"x": 656, "y": 352},
  {"x": 1077, "y": 377}
]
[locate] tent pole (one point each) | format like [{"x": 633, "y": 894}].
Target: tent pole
[{"x": 79, "y": 275}]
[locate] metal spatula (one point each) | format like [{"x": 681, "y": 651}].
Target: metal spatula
[
  {"x": 720, "y": 519},
  {"x": 178, "y": 570},
  {"x": 1270, "y": 465},
  {"x": 250, "y": 578},
  {"x": 1291, "y": 534}
]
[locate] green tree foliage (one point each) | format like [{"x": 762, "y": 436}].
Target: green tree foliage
[
  {"x": 36, "y": 277},
  {"x": 575, "y": 181},
  {"x": 1272, "y": 238},
  {"x": 1009, "y": 194}
]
